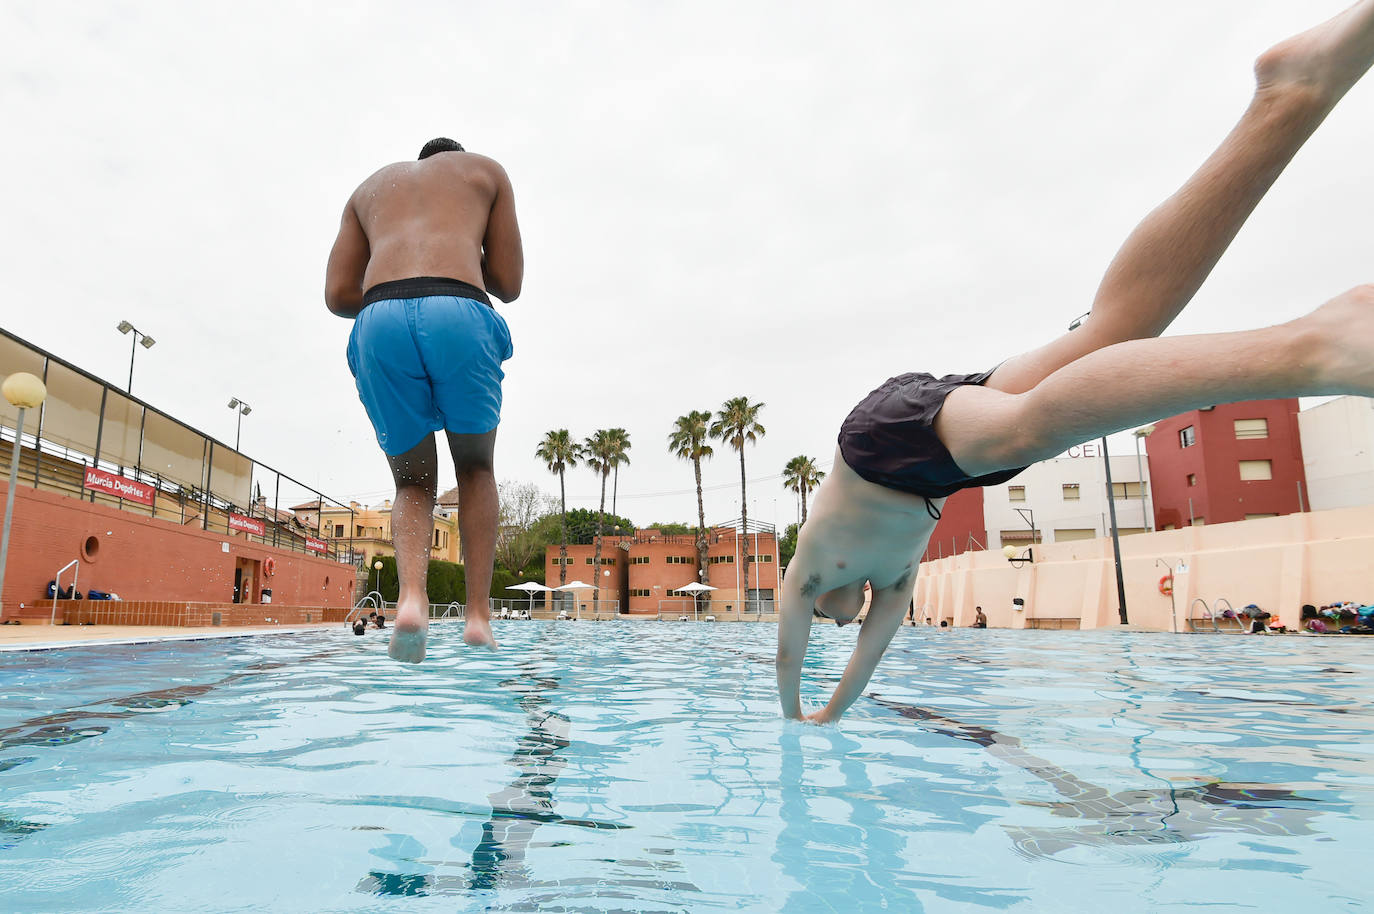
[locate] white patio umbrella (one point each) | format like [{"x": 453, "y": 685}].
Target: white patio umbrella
[
  {"x": 530, "y": 587},
  {"x": 576, "y": 585},
  {"x": 694, "y": 589}
]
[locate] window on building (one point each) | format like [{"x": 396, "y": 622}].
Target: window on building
[
  {"x": 639, "y": 591},
  {"x": 1126, "y": 490},
  {"x": 639, "y": 560},
  {"x": 681, "y": 560},
  {"x": 721, "y": 560},
  {"x": 1071, "y": 491},
  {"x": 764, "y": 557},
  {"x": 1069, "y": 534},
  {"x": 1258, "y": 516},
  {"x": 1199, "y": 522},
  {"x": 1192, "y": 479},
  {"x": 338, "y": 529},
  {"x": 1256, "y": 469},
  {"x": 1016, "y": 493},
  {"x": 1252, "y": 428},
  {"x": 1187, "y": 437}
]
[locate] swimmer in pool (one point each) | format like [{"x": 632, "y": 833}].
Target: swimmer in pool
[
  {"x": 421, "y": 249},
  {"x": 917, "y": 439}
]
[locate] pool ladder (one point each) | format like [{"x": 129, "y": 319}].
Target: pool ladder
[{"x": 1211, "y": 613}]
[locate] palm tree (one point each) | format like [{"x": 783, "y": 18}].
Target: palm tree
[
  {"x": 601, "y": 451},
  {"x": 619, "y": 456},
  {"x": 737, "y": 424},
  {"x": 688, "y": 441},
  {"x": 559, "y": 452},
  {"x": 801, "y": 475}
]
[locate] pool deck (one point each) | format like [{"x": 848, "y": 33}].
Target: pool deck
[{"x": 29, "y": 637}]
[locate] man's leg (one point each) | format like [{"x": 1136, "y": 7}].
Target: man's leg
[
  {"x": 412, "y": 528},
  {"x": 1165, "y": 260},
  {"x": 1326, "y": 352},
  {"x": 477, "y": 517}
]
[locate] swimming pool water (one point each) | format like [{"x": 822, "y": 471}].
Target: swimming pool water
[{"x": 643, "y": 767}]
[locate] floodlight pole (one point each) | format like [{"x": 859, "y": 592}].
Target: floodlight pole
[{"x": 1116, "y": 538}]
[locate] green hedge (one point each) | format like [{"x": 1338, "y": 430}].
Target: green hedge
[{"x": 447, "y": 581}]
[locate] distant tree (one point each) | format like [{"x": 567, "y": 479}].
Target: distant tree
[
  {"x": 737, "y": 424},
  {"x": 673, "y": 529},
  {"x": 583, "y": 524},
  {"x": 602, "y": 450},
  {"x": 521, "y": 505},
  {"x": 801, "y": 475},
  {"x": 560, "y": 452},
  {"x": 787, "y": 546},
  {"x": 688, "y": 440},
  {"x": 620, "y": 453}
]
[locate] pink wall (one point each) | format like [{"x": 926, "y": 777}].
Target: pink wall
[{"x": 1279, "y": 563}]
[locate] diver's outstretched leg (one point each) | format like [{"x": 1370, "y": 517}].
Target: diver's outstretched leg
[{"x": 1165, "y": 260}]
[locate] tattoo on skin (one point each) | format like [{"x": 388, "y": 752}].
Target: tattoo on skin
[{"x": 811, "y": 585}]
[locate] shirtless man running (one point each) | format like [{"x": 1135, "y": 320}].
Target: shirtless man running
[
  {"x": 917, "y": 439},
  {"x": 419, "y": 247}
]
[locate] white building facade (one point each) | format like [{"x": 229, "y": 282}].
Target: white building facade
[
  {"x": 1338, "y": 453},
  {"x": 1066, "y": 499}
]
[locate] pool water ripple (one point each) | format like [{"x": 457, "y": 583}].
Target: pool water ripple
[{"x": 619, "y": 767}]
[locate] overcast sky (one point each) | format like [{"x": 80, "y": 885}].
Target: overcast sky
[{"x": 787, "y": 201}]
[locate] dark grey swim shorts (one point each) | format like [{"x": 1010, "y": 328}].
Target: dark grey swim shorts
[{"x": 889, "y": 438}]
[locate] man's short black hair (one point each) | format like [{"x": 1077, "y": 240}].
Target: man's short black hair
[{"x": 440, "y": 144}]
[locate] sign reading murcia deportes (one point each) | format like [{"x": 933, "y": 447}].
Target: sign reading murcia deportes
[
  {"x": 247, "y": 525},
  {"x": 315, "y": 545},
  {"x": 103, "y": 481}
]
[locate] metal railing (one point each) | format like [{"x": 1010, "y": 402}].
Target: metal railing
[{"x": 57, "y": 586}]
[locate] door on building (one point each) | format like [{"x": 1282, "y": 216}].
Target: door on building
[{"x": 246, "y": 580}]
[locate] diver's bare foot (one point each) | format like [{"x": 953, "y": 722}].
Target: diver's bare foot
[
  {"x": 408, "y": 634},
  {"x": 1328, "y": 58},
  {"x": 477, "y": 631}
]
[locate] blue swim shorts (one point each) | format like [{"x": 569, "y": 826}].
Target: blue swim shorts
[{"x": 426, "y": 354}]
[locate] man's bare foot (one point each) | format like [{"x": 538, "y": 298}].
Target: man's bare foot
[
  {"x": 408, "y": 634},
  {"x": 1328, "y": 58},
  {"x": 477, "y": 630}
]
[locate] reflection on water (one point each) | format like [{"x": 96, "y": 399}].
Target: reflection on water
[
  {"x": 1168, "y": 816},
  {"x": 644, "y": 768}
]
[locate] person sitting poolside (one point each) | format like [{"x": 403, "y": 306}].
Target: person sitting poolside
[
  {"x": 918, "y": 439},
  {"x": 980, "y": 620}
]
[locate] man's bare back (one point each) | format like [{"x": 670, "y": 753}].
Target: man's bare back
[
  {"x": 450, "y": 215},
  {"x": 436, "y": 236}
]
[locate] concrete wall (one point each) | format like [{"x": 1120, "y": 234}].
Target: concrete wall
[
  {"x": 1278, "y": 563},
  {"x": 1338, "y": 452}
]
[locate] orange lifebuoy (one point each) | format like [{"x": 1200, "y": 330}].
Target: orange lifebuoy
[
  {"x": 270, "y": 566},
  {"x": 1166, "y": 584}
]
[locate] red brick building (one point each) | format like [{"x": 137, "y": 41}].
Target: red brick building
[
  {"x": 962, "y": 526},
  {"x": 641, "y": 573},
  {"x": 1227, "y": 463}
]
